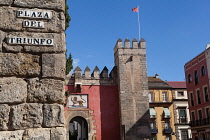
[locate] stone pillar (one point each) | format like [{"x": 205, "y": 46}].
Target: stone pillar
[
  {"x": 32, "y": 69},
  {"x": 133, "y": 89}
]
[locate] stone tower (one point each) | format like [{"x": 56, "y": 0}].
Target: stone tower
[{"x": 133, "y": 89}]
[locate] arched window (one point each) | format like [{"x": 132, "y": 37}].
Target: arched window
[
  {"x": 203, "y": 71},
  {"x": 189, "y": 78},
  {"x": 196, "y": 77}
]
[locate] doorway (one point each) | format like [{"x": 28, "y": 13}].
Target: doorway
[{"x": 78, "y": 129}]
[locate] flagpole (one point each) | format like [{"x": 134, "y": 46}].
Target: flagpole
[{"x": 139, "y": 22}]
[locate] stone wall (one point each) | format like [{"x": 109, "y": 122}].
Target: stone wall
[{"x": 32, "y": 69}]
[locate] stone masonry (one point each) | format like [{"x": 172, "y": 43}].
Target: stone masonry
[
  {"x": 32, "y": 69},
  {"x": 133, "y": 89}
]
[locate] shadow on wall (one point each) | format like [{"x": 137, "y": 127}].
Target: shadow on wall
[{"x": 140, "y": 130}]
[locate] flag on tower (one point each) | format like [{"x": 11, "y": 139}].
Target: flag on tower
[{"x": 135, "y": 9}]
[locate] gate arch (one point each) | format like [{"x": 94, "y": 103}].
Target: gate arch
[
  {"x": 84, "y": 114},
  {"x": 78, "y": 129}
]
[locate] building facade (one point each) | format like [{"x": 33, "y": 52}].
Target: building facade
[
  {"x": 181, "y": 110},
  {"x": 110, "y": 106},
  {"x": 197, "y": 82},
  {"x": 161, "y": 109}
]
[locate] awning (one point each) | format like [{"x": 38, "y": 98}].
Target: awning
[
  {"x": 152, "y": 112},
  {"x": 166, "y": 111}
]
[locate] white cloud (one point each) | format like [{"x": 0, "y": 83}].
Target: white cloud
[{"x": 75, "y": 62}]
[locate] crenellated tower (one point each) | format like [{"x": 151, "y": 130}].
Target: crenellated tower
[{"x": 133, "y": 88}]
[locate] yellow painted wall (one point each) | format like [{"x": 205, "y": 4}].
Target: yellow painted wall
[{"x": 158, "y": 106}]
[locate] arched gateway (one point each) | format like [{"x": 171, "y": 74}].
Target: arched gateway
[
  {"x": 79, "y": 125},
  {"x": 78, "y": 129}
]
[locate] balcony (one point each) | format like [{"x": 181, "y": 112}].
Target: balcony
[
  {"x": 201, "y": 122},
  {"x": 168, "y": 130},
  {"x": 161, "y": 100},
  {"x": 182, "y": 120},
  {"x": 154, "y": 130},
  {"x": 166, "y": 126}
]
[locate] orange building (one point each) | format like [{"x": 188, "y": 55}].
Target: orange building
[{"x": 161, "y": 109}]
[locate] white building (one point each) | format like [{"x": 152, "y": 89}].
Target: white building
[{"x": 181, "y": 111}]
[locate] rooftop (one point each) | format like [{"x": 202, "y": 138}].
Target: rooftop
[
  {"x": 177, "y": 84},
  {"x": 156, "y": 82}
]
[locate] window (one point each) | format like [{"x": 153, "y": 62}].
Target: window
[
  {"x": 203, "y": 71},
  {"x": 191, "y": 98},
  {"x": 184, "y": 134},
  {"x": 180, "y": 93},
  {"x": 189, "y": 78},
  {"x": 193, "y": 122},
  {"x": 166, "y": 125},
  {"x": 164, "y": 97},
  {"x": 196, "y": 77},
  {"x": 193, "y": 116},
  {"x": 153, "y": 125},
  {"x": 182, "y": 115},
  {"x": 200, "y": 114},
  {"x": 206, "y": 95},
  {"x": 198, "y": 97},
  {"x": 200, "y": 117},
  {"x": 207, "y": 113},
  {"x": 150, "y": 97}
]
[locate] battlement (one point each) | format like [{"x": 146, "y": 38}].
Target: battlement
[
  {"x": 127, "y": 45},
  {"x": 94, "y": 78}
]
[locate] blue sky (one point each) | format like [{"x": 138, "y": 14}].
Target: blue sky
[{"x": 175, "y": 32}]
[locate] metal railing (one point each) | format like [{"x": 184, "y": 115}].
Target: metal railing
[
  {"x": 201, "y": 122},
  {"x": 168, "y": 130},
  {"x": 182, "y": 120},
  {"x": 154, "y": 130}
]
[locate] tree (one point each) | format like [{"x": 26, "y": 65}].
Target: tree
[
  {"x": 69, "y": 65},
  {"x": 67, "y": 16},
  {"x": 69, "y": 60}
]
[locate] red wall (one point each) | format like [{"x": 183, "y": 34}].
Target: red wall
[
  {"x": 190, "y": 67},
  {"x": 110, "y": 113},
  {"x": 104, "y": 101}
]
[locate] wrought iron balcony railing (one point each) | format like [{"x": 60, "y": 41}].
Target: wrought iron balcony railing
[
  {"x": 182, "y": 120},
  {"x": 201, "y": 122},
  {"x": 154, "y": 130},
  {"x": 168, "y": 130}
]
